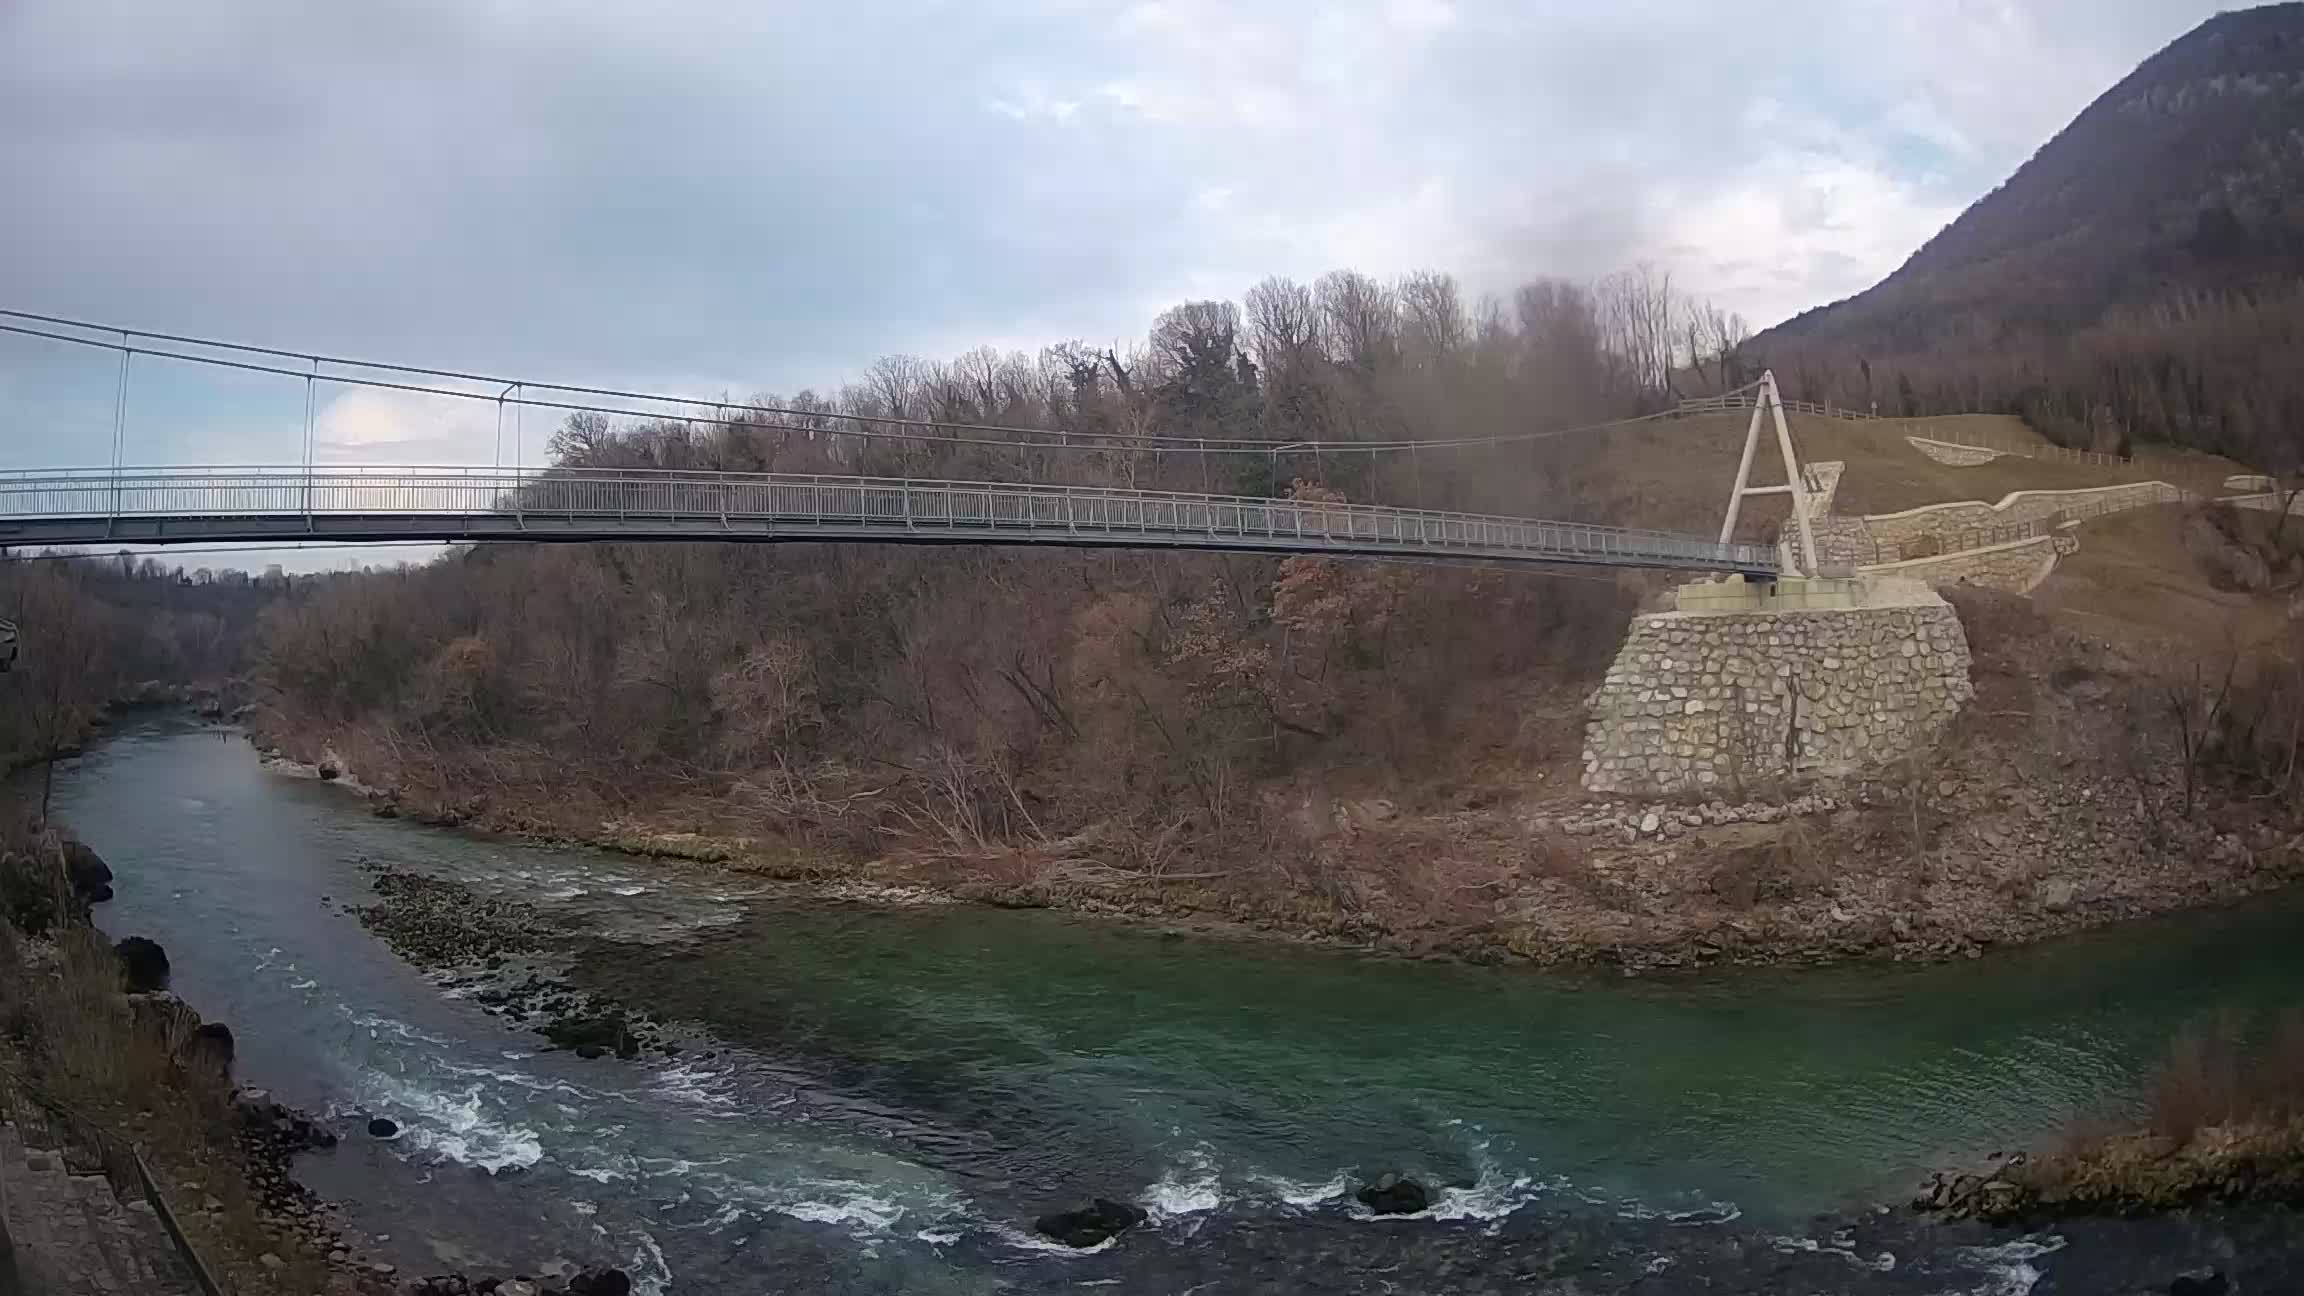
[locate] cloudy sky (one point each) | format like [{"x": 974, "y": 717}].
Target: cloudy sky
[{"x": 745, "y": 195}]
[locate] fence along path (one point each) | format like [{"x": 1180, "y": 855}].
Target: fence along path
[{"x": 1923, "y": 429}]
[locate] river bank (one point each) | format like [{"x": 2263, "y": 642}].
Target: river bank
[
  {"x": 98, "y": 1047},
  {"x": 896, "y": 1093},
  {"x": 1999, "y": 847}
]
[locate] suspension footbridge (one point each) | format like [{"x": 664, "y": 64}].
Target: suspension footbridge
[{"x": 121, "y": 504}]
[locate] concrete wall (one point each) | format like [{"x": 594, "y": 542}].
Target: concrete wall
[
  {"x": 2017, "y": 567},
  {"x": 1704, "y": 701},
  {"x": 1959, "y": 456},
  {"x": 2267, "y": 503}
]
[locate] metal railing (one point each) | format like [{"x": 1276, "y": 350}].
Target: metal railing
[
  {"x": 160, "y": 505},
  {"x": 46, "y": 1121}
]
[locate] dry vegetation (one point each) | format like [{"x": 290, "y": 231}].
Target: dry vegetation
[
  {"x": 97, "y": 631},
  {"x": 2223, "y": 1119},
  {"x": 1040, "y": 723},
  {"x": 67, "y": 1026},
  {"x": 1366, "y": 751}
]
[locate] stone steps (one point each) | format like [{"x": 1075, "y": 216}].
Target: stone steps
[{"x": 72, "y": 1236}]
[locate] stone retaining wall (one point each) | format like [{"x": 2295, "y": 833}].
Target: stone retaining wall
[
  {"x": 1946, "y": 522},
  {"x": 1845, "y": 540},
  {"x": 2017, "y": 567},
  {"x": 1705, "y": 701}
]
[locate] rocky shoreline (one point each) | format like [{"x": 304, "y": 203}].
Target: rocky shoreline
[
  {"x": 295, "y": 1226},
  {"x": 1625, "y": 836},
  {"x": 2254, "y": 1161},
  {"x": 483, "y": 948}
]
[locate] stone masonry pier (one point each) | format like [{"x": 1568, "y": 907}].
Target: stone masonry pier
[{"x": 1752, "y": 686}]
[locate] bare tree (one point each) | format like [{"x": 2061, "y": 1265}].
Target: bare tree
[
  {"x": 1283, "y": 327},
  {"x": 2196, "y": 705},
  {"x": 1715, "y": 340},
  {"x": 1284, "y": 331},
  {"x": 1359, "y": 321},
  {"x": 1434, "y": 325},
  {"x": 1637, "y": 318}
]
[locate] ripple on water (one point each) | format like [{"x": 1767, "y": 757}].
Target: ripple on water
[
  {"x": 1189, "y": 1187},
  {"x": 1304, "y": 1194},
  {"x": 378, "y": 1026},
  {"x": 454, "y": 1126},
  {"x": 697, "y": 1085},
  {"x": 2008, "y": 1269}
]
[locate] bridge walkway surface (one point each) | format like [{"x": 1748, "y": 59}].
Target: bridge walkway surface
[{"x": 292, "y": 504}]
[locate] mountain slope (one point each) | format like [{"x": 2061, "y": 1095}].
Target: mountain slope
[{"x": 2164, "y": 225}]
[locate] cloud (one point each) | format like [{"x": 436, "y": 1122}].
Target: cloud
[
  {"x": 365, "y": 426},
  {"x": 768, "y": 196}
]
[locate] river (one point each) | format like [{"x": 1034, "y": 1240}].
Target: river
[{"x": 893, "y": 1094}]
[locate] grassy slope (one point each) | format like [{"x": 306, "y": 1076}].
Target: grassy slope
[
  {"x": 1675, "y": 473},
  {"x": 2134, "y": 578}
]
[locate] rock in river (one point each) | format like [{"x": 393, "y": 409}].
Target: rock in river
[
  {"x": 383, "y": 1127},
  {"x": 1100, "y": 1221},
  {"x": 145, "y": 964},
  {"x": 600, "y": 1282},
  {"x": 1393, "y": 1195},
  {"x": 90, "y": 876},
  {"x": 607, "y": 1032}
]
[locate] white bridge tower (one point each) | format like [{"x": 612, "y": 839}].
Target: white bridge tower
[{"x": 1765, "y": 404}]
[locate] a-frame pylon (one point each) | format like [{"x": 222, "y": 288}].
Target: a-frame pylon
[{"x": 1764, "y": 404}]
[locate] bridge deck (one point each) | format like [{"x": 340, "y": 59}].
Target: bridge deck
[{"x": 183, "y": 505}]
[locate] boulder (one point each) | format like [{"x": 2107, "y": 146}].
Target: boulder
[
  {"x": 600, "y": 1282},
  {"x": 1099, "y": 1222},
  {"x": 163, "y": 1017},
  {"x": 1999, "y": 1199},
  {"x": 210, "y": 1048},
  {"x": 608, "y": 1032},
  {"x": 144, "y": 963},
  {"x": 90, "y": 876},
  {"x": 256, "y": 1108},
  {"x": 1391, "y": 1194},
  {"x": 2211, "y": 1283},
  {"x": 383, "y": 1127}
]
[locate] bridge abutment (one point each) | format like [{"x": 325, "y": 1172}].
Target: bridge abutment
[{"x": 1746, "y": 685}]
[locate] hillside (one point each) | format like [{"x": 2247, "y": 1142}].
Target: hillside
[
  {"x": 1674, "y": 475},
  {"x": 2136, "y": 280}
]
